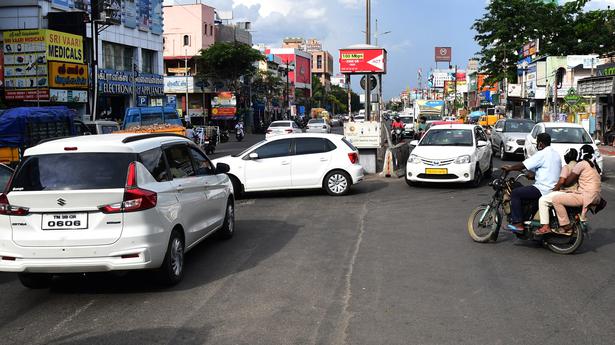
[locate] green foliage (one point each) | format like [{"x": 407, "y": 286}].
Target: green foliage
[
  {"x": 562, "y": 29},
  {"x": 228, "y": 62}
]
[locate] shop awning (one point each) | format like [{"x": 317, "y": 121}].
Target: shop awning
[{"x": 596, "y": 86}]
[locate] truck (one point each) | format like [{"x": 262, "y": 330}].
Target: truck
[
  {"x": 152, "y": 120},
  {"x": 24, "y": 127}
]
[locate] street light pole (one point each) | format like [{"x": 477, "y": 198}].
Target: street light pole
[
  {"x": 186, "y": 72},
  {"x": 368, "y": 36}
]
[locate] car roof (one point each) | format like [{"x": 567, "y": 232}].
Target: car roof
[
  {"x": 281, "y": 121},
  {"x": 560, "y": 124},
  {"x": 113, "y": 142},
  {"x": 306, "y": 135},
  {"x": 453, "y": 126},
  {"x": 101, "y": 122}
]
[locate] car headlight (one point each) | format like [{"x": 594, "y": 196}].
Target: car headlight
[
  {"x": 414, "y": 159},
  {"x": 510, "y": 139},
  {"x": 463, "y": 159}
]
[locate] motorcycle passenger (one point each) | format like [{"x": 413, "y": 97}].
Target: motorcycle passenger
[
  {"x": 587, "y": 174},
  {"x": 546, "y": 164},
  {"x": 570, "y": 157}
]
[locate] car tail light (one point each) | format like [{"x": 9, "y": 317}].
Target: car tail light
[
  {"x": 269, "y": 131},
  {"x": 354, "y": 157},
  {"x": 135, "y": 198},
  {"x": 11, "y": 210},
  {"x": 289, "y": 131},
  {"x": 70, "y": 148}
]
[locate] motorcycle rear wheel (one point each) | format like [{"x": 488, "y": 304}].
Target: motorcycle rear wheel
[
  {"x": 575, "y": 242},
  {"x": 492, "y": 221}
]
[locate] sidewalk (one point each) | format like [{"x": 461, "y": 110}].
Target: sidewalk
[{"x": 607, "y": 150}]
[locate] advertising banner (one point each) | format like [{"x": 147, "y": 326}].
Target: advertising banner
[
  {"x": 27, "y": 95},
  {"x": 514, "y": 90},
  {"x": 482, "y": 86},
  {"x": 443, "y": 54},
  {"x": 71, "y": 96},
  {"x": 224, "y": 106},
  {"x": 143, "y": 10},
  {"x": 129, "y": 17},
  {"x": 112, "y": 82},
  {"x": 358, "y": 61},
  {"x": 178, "y": 85},
  {"x": 65, "y": 47},
  {"x": 25, "y": 65},
  {"x": 363, "y": 135},
  {"x": 68, "y": 75},
  {"x": 303, "y": 74},
  {"x": 156, "y": 19}
]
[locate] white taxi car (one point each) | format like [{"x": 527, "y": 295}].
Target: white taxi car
[
  {"x": 300, "y": 161},
  {"x": 450, "y": 153},
  {"x": 111, "y": 202},
  {"x": 281, "y": 128}
]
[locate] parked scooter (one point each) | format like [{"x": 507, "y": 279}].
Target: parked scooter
[{"x": 485, "y": 221}]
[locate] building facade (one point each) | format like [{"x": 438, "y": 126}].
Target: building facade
[
  {"x": 299, "y": 74},
  {"x": 322, "y": 67}
]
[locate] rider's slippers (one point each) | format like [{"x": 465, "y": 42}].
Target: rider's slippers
[
  {"x": 514, "y": 228},
  {"x": 542, "y": 231},
  {"x": 564, "y": 231}
]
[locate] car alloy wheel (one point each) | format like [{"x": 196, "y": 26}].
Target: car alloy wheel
[
  {"x": 337, "y": 183},
  {"x": 177, "y": 256}
]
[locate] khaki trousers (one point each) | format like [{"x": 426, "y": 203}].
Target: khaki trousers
[
  {"x": 560, "y": 202},
  {"x": 543, "y": 206}
]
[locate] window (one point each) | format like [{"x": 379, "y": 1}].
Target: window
[
  {"x": 186, "y": 40},
  {"x": 211, "y": 30},
  {"x": 319, "y": 61},
  {"x": 569, "y": 135},
  {"x": 306, "y": 146},
  {"x": 155, "y": 163},
  {"x": 278, "y": 148},
  {"x": 179, "y": 160},
  {"x": 87, "y": 171},
  {"x": 148, "y": 61},
  {"x": 295, "y": 125},
  {"x": 480, "y": 135},
  {"x": 535, "y": 131},
  {"x": 349, "y": 144},
  {"x": 202, "y": 165},
  {"x": 447, "y": 137},
  {"x": 117, "y": 56},
  {"x": 519, "y": 126}
]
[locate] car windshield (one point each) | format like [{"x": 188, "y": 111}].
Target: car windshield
[
  {"x": 316, "y": 121},
  {"x": 432, "y": 117},
  {"x": 447, "y": 137},
  {"x": 568, "y": 135},
  {"x": 518, "y": 126},
  {"x": 406, "y": 120},
  {"x": 87, "y": 171},
  {"x": 280, "y": 124},
  {"x": 249, "y": 149}
]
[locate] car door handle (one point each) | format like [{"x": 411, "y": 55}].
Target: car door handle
[
  {"x": 180, "y": 189},
  {"x": 324, "y": 159},
  {"x": 285, "y": 163}
]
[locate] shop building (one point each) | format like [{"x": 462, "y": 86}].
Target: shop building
[{"x": 601, "y": 89}]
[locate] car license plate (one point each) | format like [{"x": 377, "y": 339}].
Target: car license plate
[
  {"x": 65, "y": 221},
  {"x": 439, "y": 171}
]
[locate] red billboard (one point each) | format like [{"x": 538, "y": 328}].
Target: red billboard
[
  {"x": 302, "y": 72},
  {"x": 359, "y": 61},
  {"x": 443, "y": 54},
  {"x": 27, "y": 94}
]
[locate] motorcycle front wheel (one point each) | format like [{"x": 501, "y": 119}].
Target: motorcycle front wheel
[
  {"x": 566, "y": 244},
  {"x": 483, "y": 231}
]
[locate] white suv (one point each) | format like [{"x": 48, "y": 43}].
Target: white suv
[{"x": 111, "y": 202}]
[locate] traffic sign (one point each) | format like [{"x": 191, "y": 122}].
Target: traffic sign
[
  {"x": 572, "y": 98},
  {"x": 372, "y": 84}
]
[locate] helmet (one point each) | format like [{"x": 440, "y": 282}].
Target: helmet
[{"x": 396, "y": 117}]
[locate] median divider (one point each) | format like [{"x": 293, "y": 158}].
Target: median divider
[{"x": 395, "y": 160}]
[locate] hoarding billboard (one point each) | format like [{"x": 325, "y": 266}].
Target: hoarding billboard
[
  {"x": 303, "y": 74},
  {"x": 359, "y": 61},
  {"x": 443, "y": 54},
  {"x": 68, "y": 75},
  {"x": 224, "y": 106}
]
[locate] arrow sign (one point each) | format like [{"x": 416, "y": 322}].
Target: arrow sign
[{"x": 377, "y": 62}]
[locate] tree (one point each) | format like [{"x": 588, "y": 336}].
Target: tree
[
  {"x": 509, "y": 24},
  {"x": 228, "y": 62}
]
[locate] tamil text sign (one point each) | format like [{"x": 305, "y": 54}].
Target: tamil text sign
[
  {"x": 363, "y": 135},
  {"x": 363, "y": 61},
  {"x": 68, "y": 75}
]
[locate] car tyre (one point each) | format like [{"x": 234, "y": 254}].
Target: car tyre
[
  {"x": 227, "y": 230},
  {"x": 503, "y": 154},
  {"x": 337, "y": 183},
  {"x": 172, "y": 270},
  {"x": 237, "y": 187},
  {"x": 478, "y": 177},
  {"x": 35, "y": 280},
  {"x": 410, "y": 183}
]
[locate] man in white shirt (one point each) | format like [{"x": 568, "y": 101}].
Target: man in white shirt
[{"x": 547, "y": 165}]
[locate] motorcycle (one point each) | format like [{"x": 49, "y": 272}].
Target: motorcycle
[
  {"x": 485, "y": 221},
  {"x": 239, "y": 134},
  {"x": 224, "y": 136},
  {"x": 396, "y": 135},
  {"x": 209, "y": 145}
]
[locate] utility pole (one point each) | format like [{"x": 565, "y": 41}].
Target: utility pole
[
  {"x": 368, "y": 36},
  {"x": 455, "y": 93},
  {"x": 348, "y": 92},
  {"x": 186, "y": 72}
]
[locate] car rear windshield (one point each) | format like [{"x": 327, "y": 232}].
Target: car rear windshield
[
  {"x": 407, "y": 120},
  {"x": 569, "y": 135},
  {"x": 447, "y": 137},
  {"x": 73, "y": 171},
  {"x": 316, "y": 121},
  {"x": 280, "y": 124},
  {"x": 349, "y": 144}
]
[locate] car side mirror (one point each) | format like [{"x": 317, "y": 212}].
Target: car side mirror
[
  {"x": 597, "y": 142},
  {"x": 499, "y": 130},
  {"x": 222, "y": 168},
  {"x": 253, "y": 155},
  {"x": 481, "y": 143},
  {"x": 414, "y": 143}
]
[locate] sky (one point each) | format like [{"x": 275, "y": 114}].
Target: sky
[{"x": 416, "y": 27}]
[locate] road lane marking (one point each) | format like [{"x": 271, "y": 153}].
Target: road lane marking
[{"x": 69, "y": 318}]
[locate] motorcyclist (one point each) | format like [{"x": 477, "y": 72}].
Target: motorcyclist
[
  {"x": 587, "y": 174},
  {"x": 239, "y": 127},
  {"x": 546, "y": 164},
  {"x": 397, "y": 123}
]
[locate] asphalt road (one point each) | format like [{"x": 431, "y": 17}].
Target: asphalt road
[{"x": 387, "y": 264}]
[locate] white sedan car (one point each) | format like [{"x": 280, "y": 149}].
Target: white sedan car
[
  {"x": 281, "y": 128},
  {"x": 318, "y": 126},
  {"x": 450, "y": 153},
  {"x": 563, "y": 136},
  {"x": 301, "y": 161}
]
